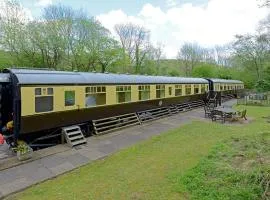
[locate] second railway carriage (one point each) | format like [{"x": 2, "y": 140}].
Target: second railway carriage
[
  {"x": 220, "y": 88},
  {"x": 225, "y": 86}
]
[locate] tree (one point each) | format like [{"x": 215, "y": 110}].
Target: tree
[
  {"x": 204, "y": 70},
  {"x": 13, "y": 20},
  {"x": 190, "y": 55},
  {"x": 126, "y": 33},
  {"x": 222, "y": 55},
  {"x": 265, "y": 3},
  {"x": 252, "y": 50},
  {"x": 109, "y": 53},
  {"x": 135, "y": 42},
  {"x": 155, "y": 54},
  {"x": 59, "y": 22}
]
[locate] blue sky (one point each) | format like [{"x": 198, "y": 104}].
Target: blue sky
[
  {"x": 96, "y": 7},
  {"x": 171, "y": 22}
]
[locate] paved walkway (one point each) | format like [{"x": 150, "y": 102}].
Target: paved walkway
[{"x": 20, "y": 177}]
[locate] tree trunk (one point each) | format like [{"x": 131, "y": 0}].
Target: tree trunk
[{"x": 137, "y": 59}]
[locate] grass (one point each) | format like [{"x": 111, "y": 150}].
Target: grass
[
  {"x": 235, "y": 169},
  {"x": 173, "y": 165}
]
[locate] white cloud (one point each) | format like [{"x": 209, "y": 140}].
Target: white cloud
[
  {"x": 43, "y": 3},
  {"x": 116, "y": 17},
  {"x": 24, "y": 14},
  {"x": 217, "y": 22},
  {"x": 171, "y": 3}
]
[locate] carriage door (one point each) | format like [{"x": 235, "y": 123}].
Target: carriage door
[{"x": 5, "y": 100}]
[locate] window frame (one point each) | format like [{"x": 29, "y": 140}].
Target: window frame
[
  {"x": 196, "y": 86},
  {"x": 160, "y": 88},
  {"x": 203, "y": 88},
  {"x": 95, "y": 90},
  {"x": 144, "y": 88},
  {"x": 188, "y": 86},
  {"x": 170, "y": 90},
  {"x": 123, "y": 89},
  {"x": 44, "y": 92},
  {"x": 73, "y": 100},
  {"x": 177, "y": 88}
]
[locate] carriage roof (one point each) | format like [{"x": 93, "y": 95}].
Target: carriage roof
[
  {"x": 29, "y": 76},
  {"x": 215, "y": 80}
]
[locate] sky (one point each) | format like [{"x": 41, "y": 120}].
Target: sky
[{"x": 171, "y": 22}]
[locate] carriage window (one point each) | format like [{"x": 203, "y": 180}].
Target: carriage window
[
  {"x": 207, "y": 87},
  {"x": 196, "y": 89},
  {"x": 123, "y": 94},
  {"x": 95, "y": 95},
  {"x": 144, "y": 92},
  {"x": 188, "y": 89},
  {"x": 38, "y": 91},
  {"x": 170, "y": 91},
  {"x": 178, "y": 90},
  {"x": 70, "y": 98},
  {"x": 225, "y": 87},
  {"x": 160, "y": 91},
  {"x": 49, "y": 91},
  {"x": 43, "y": 102},
  {"x": 202, "y": 88},
  {"x": 221, "y": 87}
]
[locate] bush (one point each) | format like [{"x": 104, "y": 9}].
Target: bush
[{"x": 262, "y": 85}]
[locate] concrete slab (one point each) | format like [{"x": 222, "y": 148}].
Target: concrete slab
[
  {"x": 15, "y": 186},
  {"x": 77, "y": 159},
  {"x": 92, "y": 154},
  {"x": 61, "y": 168},
  {"x": 52, "y": 161},
  {"x": 37, "y": 174}
]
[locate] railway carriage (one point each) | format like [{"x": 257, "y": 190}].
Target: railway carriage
[
  {"x": 43, "y": 101},
  {"x": 226, "y": 86}
]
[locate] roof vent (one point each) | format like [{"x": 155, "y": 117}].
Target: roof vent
[
  {"x": 106, "y": 72},
  {"x": 127, "y": 73},
  {"x": 75, "y": 70},
  {"x": 94, "y": 71}
]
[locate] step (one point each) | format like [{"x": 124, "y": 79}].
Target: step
[
  {"x": 79, "y": 142},
  {"x": 110, "y": 124},
  {"x": 73, "y": 135},
  {"x": 76, "y": 137}
]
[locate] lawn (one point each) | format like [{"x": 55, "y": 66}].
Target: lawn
[{"x": 162, "y": 167}]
